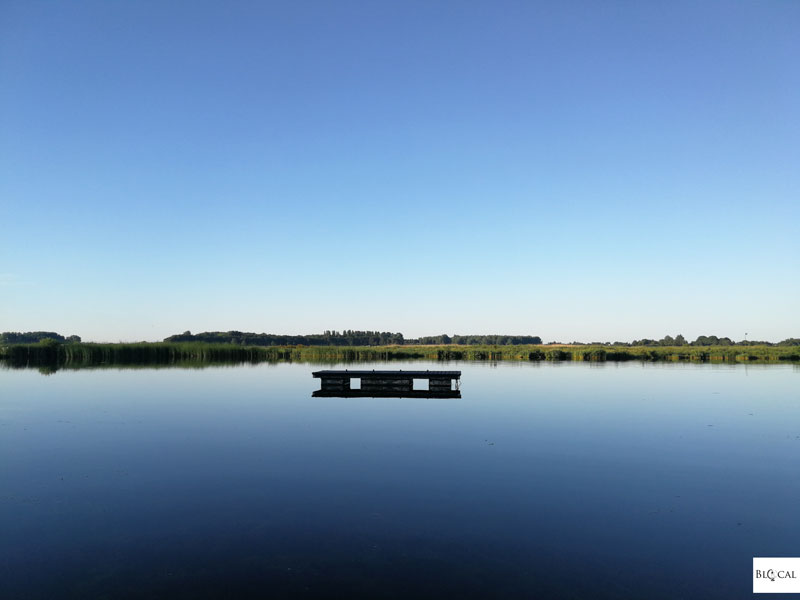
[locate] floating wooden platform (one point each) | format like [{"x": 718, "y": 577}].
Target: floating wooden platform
[{"x": 389, "y": 384}]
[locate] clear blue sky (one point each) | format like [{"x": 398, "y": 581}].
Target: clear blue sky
[{"x": 575, "y": 170}]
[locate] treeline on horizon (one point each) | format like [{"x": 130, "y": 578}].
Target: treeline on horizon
[
  {"x": 702, "y": 340},
  {"x": 377, "y": 338},
  {"x": 384, "y": 338},
  {"x": 34, "y": 337},
  {"x": 348, "y": 337}
]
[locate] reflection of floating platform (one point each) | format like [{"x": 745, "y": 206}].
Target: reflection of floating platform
[
  {"x": 389, "y": 384},
  {"x": 386, "y": 394}
]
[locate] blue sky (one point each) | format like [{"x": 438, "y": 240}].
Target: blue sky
[{"x": 575, "y": 170}]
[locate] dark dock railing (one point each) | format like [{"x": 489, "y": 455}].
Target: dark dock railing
[{"x": 377, "y": 384}]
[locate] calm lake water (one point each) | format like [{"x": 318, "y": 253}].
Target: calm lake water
[{"x": 543, "y": 480}]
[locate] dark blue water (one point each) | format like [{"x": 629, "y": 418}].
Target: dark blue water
[{"x": 550, "y": 481}]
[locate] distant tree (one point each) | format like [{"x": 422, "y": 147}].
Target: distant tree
[{"x": 712, "y": 340}]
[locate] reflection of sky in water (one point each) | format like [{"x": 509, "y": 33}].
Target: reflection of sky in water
[{"x": 619, "y": 481}]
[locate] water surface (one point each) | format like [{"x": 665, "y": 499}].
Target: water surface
[{"x": 544, "y": 480}]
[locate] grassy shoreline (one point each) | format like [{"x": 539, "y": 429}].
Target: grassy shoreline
[{"x": 77, "y": 355}]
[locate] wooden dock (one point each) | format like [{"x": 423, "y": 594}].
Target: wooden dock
[{"x": 389, "y": 384}]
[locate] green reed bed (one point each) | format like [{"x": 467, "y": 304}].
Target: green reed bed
[
  {"x": 197, "y": 353},
  {"x": 131, "y": 354},
  {"x": 598, "y": 353}
]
